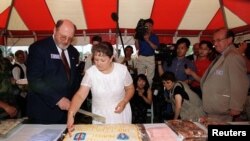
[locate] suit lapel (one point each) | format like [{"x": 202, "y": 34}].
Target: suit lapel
[{"x": 212, "y": 67}]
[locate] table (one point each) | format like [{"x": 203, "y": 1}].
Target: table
[
  {"x": 37, "y": 132},
  {"x": 34, "y": 132}
]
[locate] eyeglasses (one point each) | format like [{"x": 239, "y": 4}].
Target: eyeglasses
[
  {"x": 64, "y": 38},
  {"x": 219, "y": 40}
]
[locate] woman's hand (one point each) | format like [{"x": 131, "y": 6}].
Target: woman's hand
[
  {"x": 120, "y": 107},
  {"x": 188, "y": 71},
  {"x": 140, "y": 92},
  {"x": 70, "y": 123}
]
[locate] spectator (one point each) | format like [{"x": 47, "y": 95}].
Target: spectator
[
  {"x": 195, "y": 54},
  {"x": 141, "y": 100},
  {"x": 8, "y": 106},
  {"x": 129, "y": 61},
  {"x": 186, "y": 104},
  {"x": 201, "y": 64},
  {"x": 19, "y": 72},
  {"x": 179, "y": 63},
  {"x": 146, "y": 49},
  {"x": 89, "y": 60}
]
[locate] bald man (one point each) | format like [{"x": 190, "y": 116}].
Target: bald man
[
  {"x": 52, "y": 81},
  {"x": 224, "y": 85}
]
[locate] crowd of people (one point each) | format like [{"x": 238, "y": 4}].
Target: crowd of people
[{"x": 213, "y": 83}]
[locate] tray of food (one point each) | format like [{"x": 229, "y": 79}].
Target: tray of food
[
  {"x": 9, "y": 124},
  {"x": 188, "y": 130}
]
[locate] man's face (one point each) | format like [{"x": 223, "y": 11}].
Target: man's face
[
  {"x": 64, "y": 35},
  {"x": 149, "y": 27},
  {"x": 221, "y": 42},
  {"x": 196, "y": 49},
  {"x": 20, "y": 58},
  {"x": 182, "y": 50},
  {"x": 128, "y": 52}
]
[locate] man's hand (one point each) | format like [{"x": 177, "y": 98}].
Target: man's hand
[
  {"x": 234, "y": 112},
  {"x": 12, "y": 111},
  {"x": 146, "y": 37},
  {"x": 64, "y": 103}
]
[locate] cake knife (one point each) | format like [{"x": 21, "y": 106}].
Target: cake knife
[{"x": 94, "y": 116}]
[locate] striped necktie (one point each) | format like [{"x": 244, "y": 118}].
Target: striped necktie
[{"x": 65, "y": 63}]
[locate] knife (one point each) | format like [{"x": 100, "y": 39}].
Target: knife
[{"x": 94, "y": 116}]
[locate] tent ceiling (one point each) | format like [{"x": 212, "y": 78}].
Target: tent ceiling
[{"x": 185, "y": 17}]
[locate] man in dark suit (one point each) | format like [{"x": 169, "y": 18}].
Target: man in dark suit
[{"x": 51, "y": 83}]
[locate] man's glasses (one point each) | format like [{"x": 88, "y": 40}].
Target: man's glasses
[
  {"x": 64, "y": 38},
  {"x": 219, "y": 40}
]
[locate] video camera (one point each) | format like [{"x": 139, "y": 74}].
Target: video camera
[
  {"x": 165, "y": 53},
  {"x": 141, "y": 30}
]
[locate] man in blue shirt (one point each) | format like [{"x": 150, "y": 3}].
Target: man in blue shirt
[{"x": 146, "y": 48}]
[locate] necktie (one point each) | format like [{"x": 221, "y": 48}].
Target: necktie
[{"x": 65, "y": 63}]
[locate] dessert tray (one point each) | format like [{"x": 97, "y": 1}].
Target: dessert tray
[{"x": 188, "y": 130}]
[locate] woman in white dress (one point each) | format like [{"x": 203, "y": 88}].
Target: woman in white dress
[{"x": 111, "y": 86}]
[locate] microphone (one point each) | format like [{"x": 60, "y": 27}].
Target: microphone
[
  {"x": 185, "y": 66},
  {"x": 114, "y": 16}
]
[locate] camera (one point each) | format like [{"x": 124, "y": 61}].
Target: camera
[
  {"x": 141, "y": 29},
  {"x": 165, "y": 52}
]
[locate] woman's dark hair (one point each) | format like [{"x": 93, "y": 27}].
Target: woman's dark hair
[
  {"x": 105, "y": 48},
  {"x": 144, "y": 78},
  {"x": 168, "y": 76},
  {"x": 208, "y": 43}
]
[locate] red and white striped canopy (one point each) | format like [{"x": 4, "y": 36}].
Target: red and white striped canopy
[{"x": 171, "y": 17}]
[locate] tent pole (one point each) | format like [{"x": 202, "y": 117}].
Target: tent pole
[
  {"x": 7, "y": 23},
  {"x": 223, "y": 13}
]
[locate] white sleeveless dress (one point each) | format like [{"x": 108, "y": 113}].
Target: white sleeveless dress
[{"x": 107, "y": 91}]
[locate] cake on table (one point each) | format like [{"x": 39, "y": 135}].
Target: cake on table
[{"x": 105, "y": 132}]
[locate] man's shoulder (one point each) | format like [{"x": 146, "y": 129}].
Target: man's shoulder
[
  {"x": 42, "y": 41},
  {"x": 233, "y": 53}
]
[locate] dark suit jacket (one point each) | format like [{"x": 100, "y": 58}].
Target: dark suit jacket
[{"x": 48, "y": 81}]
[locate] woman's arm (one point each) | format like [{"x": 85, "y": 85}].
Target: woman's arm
[
  {"x": 129, "y": 92},
  {"x": 76, "y": 102},
  {"x": 148, "y": 98},
  {"x": 160, "y": 68},
  {"x": 178, "y": 103},
  {"x": 189, "y": 71}
]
